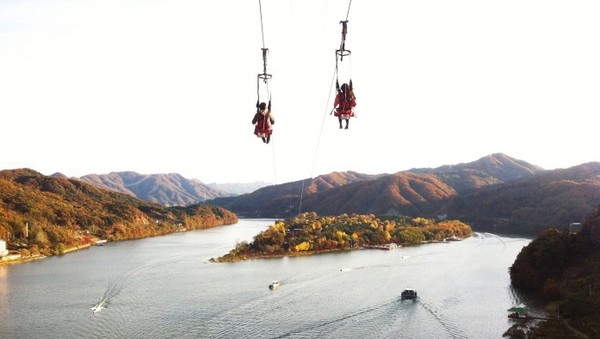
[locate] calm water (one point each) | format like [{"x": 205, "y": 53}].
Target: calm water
[{"x": 164, "y": 288}]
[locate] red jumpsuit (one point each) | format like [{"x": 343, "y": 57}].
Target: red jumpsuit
[
  {"x": 344, "y": 104},
  {"x": 263, "y": 121}
]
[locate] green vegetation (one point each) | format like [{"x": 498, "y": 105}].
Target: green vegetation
[
  {"x": 308, "y": 233},
  {"x": 563, "y": 268},
  {"x": 49, "y": 216}
]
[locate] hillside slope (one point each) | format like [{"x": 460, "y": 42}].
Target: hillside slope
[
  {"x": 414, "y": 192},
  {"x": 165, "y": 189},
  {"x": 553, "y": 198},
  {"x": 52, "y": 212},
  {"x": 563, "y": 269},
  {"x": 497, "y": 168},
  {"x": 494, "y": 193}
]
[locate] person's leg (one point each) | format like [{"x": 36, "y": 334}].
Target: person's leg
[
  {"x": 340, "y": 121},
  {"x": 347, "y": 123}
]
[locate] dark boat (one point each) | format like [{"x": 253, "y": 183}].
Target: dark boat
[{"x": 408, "y": 294}]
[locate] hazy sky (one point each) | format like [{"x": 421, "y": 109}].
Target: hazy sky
[{"x": 169, "y": 86}]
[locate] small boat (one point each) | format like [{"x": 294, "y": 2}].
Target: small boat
[
  {"x": 516, "y": 315},
  {"x": 100, "y": 305},
  {"x": 519, "y": 312},
  {"x": 408, "y": 294},
  {"x": 453, "y": 238},
  {"x": 274, "y": 284}
]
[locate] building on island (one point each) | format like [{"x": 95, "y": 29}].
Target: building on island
[{"x": 3, "y": 251}]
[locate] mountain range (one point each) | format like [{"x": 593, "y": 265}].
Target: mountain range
[
  {"x": 495, "y": 193},
  {"x": 170, "y": 189}
]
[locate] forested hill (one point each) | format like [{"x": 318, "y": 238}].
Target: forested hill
[
  {"x": 61, "y": 212},
  {"x": 563, "y": 268},
  {"x": 553, "y": 198},
  {"x": 283, "y": 200},
  {"x": 495, "y": 193}
]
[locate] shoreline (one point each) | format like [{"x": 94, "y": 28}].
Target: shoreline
[
  {"x": 385, "y": 247},
  {"x": 96, "y": 242},
  {"x": 283, "y": 255},
  {"x": 41, "y": 256}
]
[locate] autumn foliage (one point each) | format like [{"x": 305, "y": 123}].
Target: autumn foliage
[
  {"x": 563, "y": 267},
  {"x": 310, "y": 233},
  {"x": 46, "y": 215}
]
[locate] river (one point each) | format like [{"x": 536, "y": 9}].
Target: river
[{"x": 165, "y": 287}]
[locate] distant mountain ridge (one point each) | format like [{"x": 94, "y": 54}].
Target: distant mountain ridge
[
  {"x": 412, "y": 192},
  {"x": 496, "y": 192},
  {"x": 552, "y": 198},
  {"x": 166, "y": 189},
  {"x": 238, "y": 188},
  {"x": 493, "y": 169}
]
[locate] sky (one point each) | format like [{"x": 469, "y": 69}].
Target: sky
[{"x": 169, "y": 86}]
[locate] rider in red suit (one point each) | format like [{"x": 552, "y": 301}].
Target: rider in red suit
[
  {"x": 344, "y": 104},
  {"x": 263, "y": 121}
]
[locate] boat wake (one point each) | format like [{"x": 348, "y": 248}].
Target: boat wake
[
  {"x": 454, "y": 330},
  {"x": 346, "y": 269},
  {"x": 117, "y": 284},
  {"x": 113, "y": 289}
]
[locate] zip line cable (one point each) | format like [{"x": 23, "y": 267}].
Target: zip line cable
[
  {"x": 274, "y": 165},
  {"x": 348, "y": 12},
  {"x": 265, "y": 77},
  {"x": 333, "y": 79},
  {"x": 262, "y": 29},
  {"x": 319, "y": 139}
]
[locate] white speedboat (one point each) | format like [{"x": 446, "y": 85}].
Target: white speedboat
[
  {"x": 99, "y": 306},
  {"x": 274, "y": 284}
]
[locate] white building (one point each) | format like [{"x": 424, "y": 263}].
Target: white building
[{"x": 3, "y": 251}]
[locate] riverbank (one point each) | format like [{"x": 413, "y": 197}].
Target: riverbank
[
  {"x": 280, "y": 255},
  {"x": 18, "y": 259}
]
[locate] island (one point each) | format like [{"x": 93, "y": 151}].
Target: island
[{"x": 308, "y": 233}]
